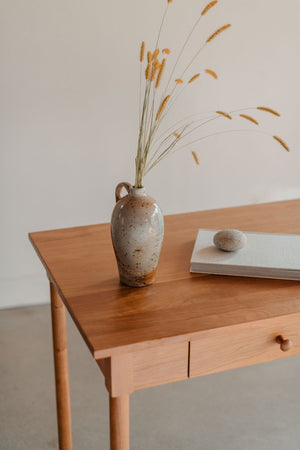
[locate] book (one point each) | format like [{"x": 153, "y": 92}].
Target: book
[{"x": 266, "y": 255}]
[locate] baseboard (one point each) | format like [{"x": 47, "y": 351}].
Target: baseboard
[{"x": 27, "y": 290}]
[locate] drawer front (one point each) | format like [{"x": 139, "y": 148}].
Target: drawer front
[
  {"x": 163, "y": 364},
  {"x": 243, "y": 345}
]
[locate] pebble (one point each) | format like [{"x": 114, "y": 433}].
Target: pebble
[{"x": 230, "y": 240}]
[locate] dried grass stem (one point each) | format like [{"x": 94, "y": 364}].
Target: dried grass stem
[
  {"x": 250, "y": 118},
  {"x": 208, "y": 7},
  {"x": 142, "y": 52},
  {"x": 162, "y": 107},
  {"x": 269, "y": 110},
  {"x": 281, "y": 142},
  {"x": 195, "y": 157},
  {"x": 219, "y": 31},
  {"x": 194, "y": 78},
  {"x": 212, "y": 73},
  {"x": 224, "y": 114},
  {"x": 160, "y": 73}
]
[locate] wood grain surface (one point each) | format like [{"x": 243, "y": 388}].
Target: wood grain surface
[
  {"x": 146, "y": 368},
  {"x": 60, "y": 353},
  {"x": 119, "y": 422},
  {"x": 114, "y": 319},
  {"x": 243, "y": 345},
  {"x": 160, "y": 365}
]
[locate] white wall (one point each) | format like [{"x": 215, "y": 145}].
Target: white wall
[{"x": 69, "y": 77}]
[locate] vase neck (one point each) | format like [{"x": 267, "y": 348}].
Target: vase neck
[{"x": 137, "y": 192}]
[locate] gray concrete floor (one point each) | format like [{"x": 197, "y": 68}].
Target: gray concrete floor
[{"x": 254, "y": 408}]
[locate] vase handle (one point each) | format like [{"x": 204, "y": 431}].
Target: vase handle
[{"x": 119, "y": 188}]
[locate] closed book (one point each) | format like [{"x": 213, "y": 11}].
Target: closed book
[{"x": 266, "y": 255}]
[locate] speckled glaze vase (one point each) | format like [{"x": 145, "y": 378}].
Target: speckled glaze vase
[{"x": 137, "y": 230}]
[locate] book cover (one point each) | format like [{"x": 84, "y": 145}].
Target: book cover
[{"x": 265, "y": 255}]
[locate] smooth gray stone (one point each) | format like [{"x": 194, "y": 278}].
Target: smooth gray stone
[{"x": 230, "y": 240}]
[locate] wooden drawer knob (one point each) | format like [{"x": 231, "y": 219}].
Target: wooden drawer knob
[{"x": 285, "y": 344}]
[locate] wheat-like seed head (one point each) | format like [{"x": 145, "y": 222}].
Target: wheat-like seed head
[
  {"x": 155, "y": 53},
  {"x": 269, "y": 110},
  {"x": 212, "y": 73},
  {"x": 194, "y": 77},
  {"x": 251, "y": 119},
  {"x": 179, "y": 81},
  {"x": 149, "y": 57},
  {"x": 148, "y": 71},
  {"x": 156, "y": 67},
  {"x": 160, "y": 73},
  {"x": 162, "y": 107},
  {"x": 216, "y": 33},
  {"x": 208, "y": 7},
  {"x": 195, "y": 157},
  {"x": 142, "y": 52},
  {"x": 170, "y": 1},
  {"x": 281, "y": 142},
  {"x": 167, "y": 51},
  {"x": 224, "y": 114},
  {"x": 157, "y": 64}
]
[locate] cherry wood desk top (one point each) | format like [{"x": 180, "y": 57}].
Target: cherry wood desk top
[{"x": 114, "y": 319}]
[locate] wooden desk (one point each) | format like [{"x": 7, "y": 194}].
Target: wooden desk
[{"x": 184, "y": 325}]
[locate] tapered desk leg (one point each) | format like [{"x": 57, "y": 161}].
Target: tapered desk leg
[
  {"x": 61, "y": 370},
  {"x": 119, "y": 422}
]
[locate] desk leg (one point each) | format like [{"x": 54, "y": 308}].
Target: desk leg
[
  {"x": 119, "y": 422},
  {"x": 61, "y": 370}
]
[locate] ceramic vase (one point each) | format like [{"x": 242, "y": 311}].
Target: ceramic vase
[{"x": 137, "y": 230}]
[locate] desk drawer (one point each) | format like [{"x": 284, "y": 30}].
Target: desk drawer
[{"x": 243, "y": 345}]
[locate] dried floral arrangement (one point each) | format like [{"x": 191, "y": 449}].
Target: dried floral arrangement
[{"x": 160, "y": 95}]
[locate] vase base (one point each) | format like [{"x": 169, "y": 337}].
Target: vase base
[{"x": 138, "y": 281}]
